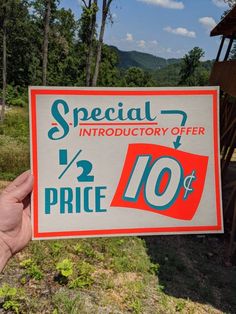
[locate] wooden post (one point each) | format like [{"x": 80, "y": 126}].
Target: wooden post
[
  {"x": 229, "y": 48},
  {"x": 220, "y": 48}
]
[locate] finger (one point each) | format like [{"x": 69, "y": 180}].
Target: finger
[
  {"x": 27, "y": 211},
  {"x": 18, "y": 181},
  {"x": 22, "y": 190},
  {"x": 26, "y": 203}
]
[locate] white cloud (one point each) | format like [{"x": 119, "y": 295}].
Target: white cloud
[
  {"x": 169, "y": 4},
  {"x": 141, "y": 43},
  {"x": 154, "y": 42},
  {"x": 220, "y": 3},
  {"x": 114, "y": 16},
  {"x": 129, "y": 37},
  {"x": 208, "y": 22},
  {"x": 180, "y": 31}
]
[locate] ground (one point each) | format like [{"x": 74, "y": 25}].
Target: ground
[{"x": 149, "y": 275}]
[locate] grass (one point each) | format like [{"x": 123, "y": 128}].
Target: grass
[
  {"x": 14, "y": 137},
  {"x": 159, "y": 275}
]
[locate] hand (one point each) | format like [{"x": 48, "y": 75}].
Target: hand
[{"x": 15, "y": 224}]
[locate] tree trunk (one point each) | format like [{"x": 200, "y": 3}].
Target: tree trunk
[
  {"x": 90, "y": 46},
  {"x": 4, "y": 70},
  {"x": 105, "y": 10},
  {"x": 45, "y": 40}
]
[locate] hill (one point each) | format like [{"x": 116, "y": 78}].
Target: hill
[
  {"x": 142, "y": 60},
  {"x": 165, "y": 72}
]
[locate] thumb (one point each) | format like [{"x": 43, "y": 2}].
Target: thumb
[{"x": 23, "y": 189}]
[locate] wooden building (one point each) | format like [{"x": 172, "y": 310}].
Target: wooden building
[
  {"x": 224, "y": 68},
  {"x": 224, "y": 74}
]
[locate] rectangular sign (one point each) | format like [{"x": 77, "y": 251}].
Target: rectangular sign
[{"x": 122, "y": 161}]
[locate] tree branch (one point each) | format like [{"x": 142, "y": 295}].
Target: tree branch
[{"x": 85, "y": 4}]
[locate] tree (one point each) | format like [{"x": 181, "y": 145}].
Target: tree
[
  {"x": 88, "y": 32},
  {"x": 10, "y": 11},
  {"x": 190, "y": 63},
  {"x": 44, "y": 15},
  {"x": 136, "y": 77},
  {"x": 45, "y": 40},
  {"x": 109, "y": 74},
  {"x": 63, "y": 59},
  {"x": 4, "y": 10},
  {"x": 105, "y": 10}
]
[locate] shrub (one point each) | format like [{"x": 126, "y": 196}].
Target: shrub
[
  {"x": 18, "y": 102},
  {"x": 15, "y": 96}
]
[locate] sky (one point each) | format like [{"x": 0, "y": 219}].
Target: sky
[{"x": 165, "y": 28}]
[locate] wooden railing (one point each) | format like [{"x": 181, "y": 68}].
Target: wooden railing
[{"x": 224, "y": 74}]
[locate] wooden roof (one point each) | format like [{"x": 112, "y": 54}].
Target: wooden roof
[{"x": 227, "y": 26}]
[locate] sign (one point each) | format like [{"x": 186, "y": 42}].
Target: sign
[{"x": 125, "y": 161}]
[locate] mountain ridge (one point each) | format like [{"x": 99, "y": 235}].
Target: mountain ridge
[{"x": 143, "y": 60}]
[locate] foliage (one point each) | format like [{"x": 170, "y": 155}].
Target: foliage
[
  {"x": 84, "y": 278},
  {"x": 136, "y": 77},
  {"x": 11, "y": 298},
  {"x": 67, "y": 46},
  {"x": 88, "y": 12},
  {"x": 190, "y": 63},
  {"x": 15, "y": 96},
  {"x": 31, "y": 269},
  {"x": 65, "y": 267},
  {"x": 109, "y": 74}
]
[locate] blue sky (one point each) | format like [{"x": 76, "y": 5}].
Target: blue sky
[{"x": 165, "y": 28}]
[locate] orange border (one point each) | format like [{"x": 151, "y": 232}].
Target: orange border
[{"x": 83, "y": 92}]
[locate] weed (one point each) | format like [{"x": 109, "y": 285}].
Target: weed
[
  {"x": 55, "y": 248},
  {"x": 85, "y": 248},
  {"x": 11, "y": 305},
  {"x": 65, "y": 269},
  {"x": 180, "y": 305},
  {"x": 134, "y": 294},
  {"x": 154, "y": 268},
  {"x": 137, "y": 306},
  {"x": 160, "y": 288},
  {"x": 78, "y": 248},
  {"x": 11, "y": 298},
  {"x": 84, "y": 278},
  {"x": 31, "y": 269}
]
